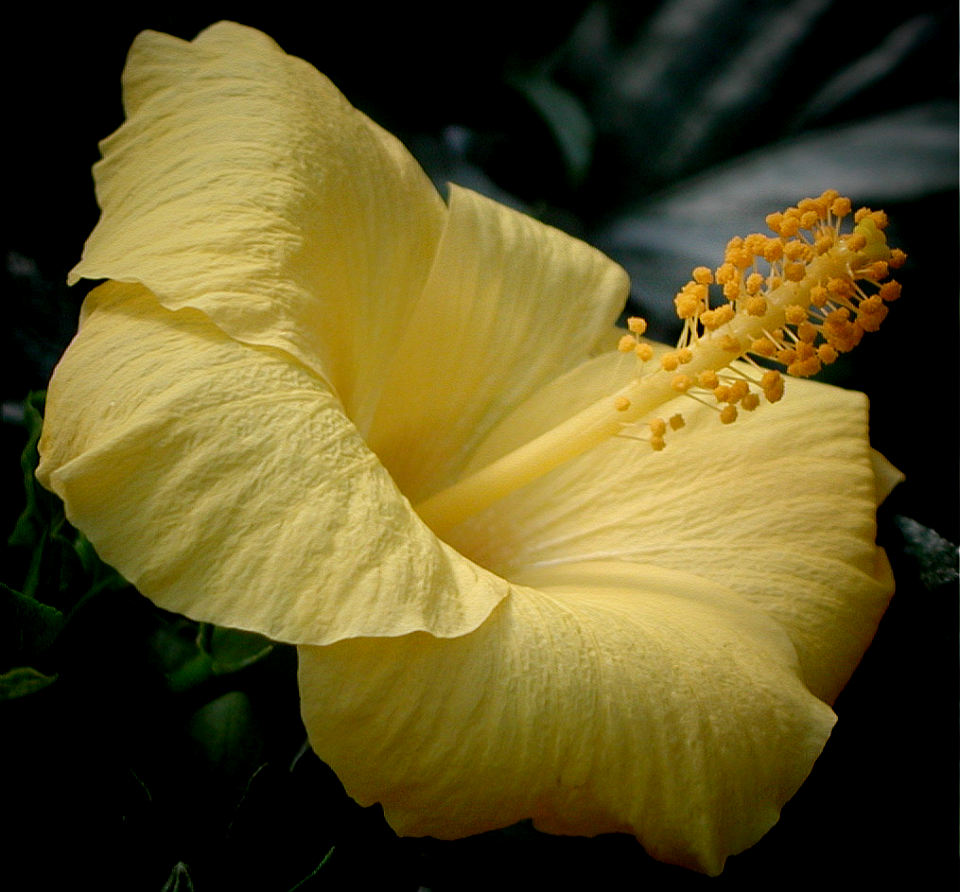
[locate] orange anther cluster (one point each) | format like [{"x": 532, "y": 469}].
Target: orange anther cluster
[
  {"x": 797, "y": 298},
  {"x": 820, "y": 318}
]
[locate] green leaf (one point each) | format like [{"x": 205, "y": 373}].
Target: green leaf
[
  {"x": 27, "y": 627},
  {"x": 23, "y": 681},
  {"x": 226, "y": 731},
  {"x": 31, "y": 522},
  {"x": 232, "y": 649}
]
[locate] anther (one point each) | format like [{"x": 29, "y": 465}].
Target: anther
[
  {"x": 708, "y": 379},
  {"x": 824, "y": 243},
  {"x": 731, "y": 344},
  {"x": 773, "y": 250},
  {"x": 897, "y": 258},
  {"x": 841, "y": 207},
  {"x": 772, "y": 385},
  {"x": 826, "y": 354},
  {"x": 763, "y": 347},
  {"x": 687, "y": 305},
  {"x": 807, "y": 332},
  {"x": 840, "y": 287},
  {"x": 755, "y": 306},
  {"x": 786, "y": 355},
  {"x": 789, "y": 227},
  {"x": 703, "y": 275},
  {"x": 875, "y": 271},
  {"x": 738, "y": 390},
  {"x": 856, "y": 241},
  {"x": 669, "y": 362},
  {"x": 795, "y": 314},
  {"x": 889, "y": 290}
]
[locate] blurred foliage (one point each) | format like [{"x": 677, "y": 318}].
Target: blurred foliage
[{"x": 143, "y": 751}]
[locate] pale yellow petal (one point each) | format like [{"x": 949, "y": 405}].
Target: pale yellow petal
[
  {"x": 244, "y": 185},
  {"x": 617, "y": 698},
  {"x": 780, "y": 506},
  {"x": 887, "y": 476},
  {"x": 509, "y": 305},
  {"x": 226, "y": 483}
]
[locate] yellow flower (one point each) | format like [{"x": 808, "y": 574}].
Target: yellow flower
[{"x": 298, "y": 340}]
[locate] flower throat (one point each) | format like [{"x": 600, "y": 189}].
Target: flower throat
[{"x": 794, "y": 300}]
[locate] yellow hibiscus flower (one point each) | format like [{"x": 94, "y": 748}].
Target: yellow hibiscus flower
[{"x": 315, "y": 401}]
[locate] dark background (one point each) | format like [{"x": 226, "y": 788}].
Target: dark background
[{"x": 655, "y": 131}]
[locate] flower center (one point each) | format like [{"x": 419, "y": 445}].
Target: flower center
[{"x": 795, "y": 300}]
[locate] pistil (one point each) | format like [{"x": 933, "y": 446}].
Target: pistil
[{"x": 809, "y": 291}]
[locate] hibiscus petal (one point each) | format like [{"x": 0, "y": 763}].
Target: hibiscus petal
[
  {"x": 243, "y": 184},
  {"x": 780, "y": 506},
  {"x": 225, "y": 482},
  {"x": 509, "y": 304},
  {"x": 615, "y": 698}
]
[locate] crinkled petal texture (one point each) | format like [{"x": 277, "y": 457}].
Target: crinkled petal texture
[
  {"x": 225, "y": 482},
  {"x": 299, "y": 336},
  {"x": 610, "y": 698},
  {"x": 285, "y": 246},
  {"x": 244, "y": 185},
  {"x": 780, "y": 506},
  {"x": 680, "y": 621}
]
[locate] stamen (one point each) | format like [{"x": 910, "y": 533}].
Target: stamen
[{"x": 817, "y": 294}]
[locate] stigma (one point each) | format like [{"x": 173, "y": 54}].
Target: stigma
[{"x": 780, "y": 304}]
